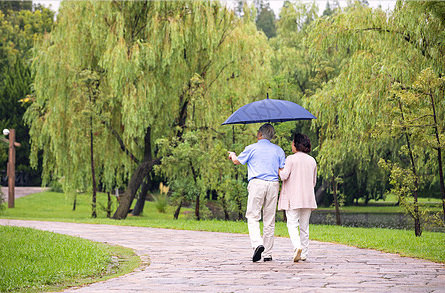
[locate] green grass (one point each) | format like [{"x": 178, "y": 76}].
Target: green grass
[
  {"x": 388, "y": 206},
  {"x": 367, "y": 209},
  {"x": 36, "y": 261},
  {"x": 57, "y": 207}
]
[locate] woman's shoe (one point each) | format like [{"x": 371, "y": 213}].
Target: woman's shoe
[{"x": 297, "y": 254}]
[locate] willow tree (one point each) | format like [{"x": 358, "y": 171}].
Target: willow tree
[
  {"x": 295, "y": 72},
  {"x": 385, "y": 50},
  {"x": 145, "y": 57},
  {"x": 416, "y": 114},
  {"x": 191, "y": 156},
  {"x": 294, "y": 68},
  {"x": 302, "y": 70}
]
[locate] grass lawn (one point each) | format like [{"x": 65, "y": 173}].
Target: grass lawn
[
  {"x": 388, "y": 206},
  {"x": 35, "y": 261}
]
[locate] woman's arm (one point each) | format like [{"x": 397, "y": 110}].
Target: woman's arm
[
  {"x": 285, "y": 172},
  {"x": 315, "y": 175}
]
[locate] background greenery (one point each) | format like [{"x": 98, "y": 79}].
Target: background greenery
[
  {"x": 21, "y": 25},
  {"x": 143, "y": 97}
]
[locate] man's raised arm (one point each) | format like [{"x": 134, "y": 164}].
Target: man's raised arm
[{"x": 234, "y": 158}]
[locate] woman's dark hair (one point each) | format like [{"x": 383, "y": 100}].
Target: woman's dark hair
[{"x": 302, "y": 143}]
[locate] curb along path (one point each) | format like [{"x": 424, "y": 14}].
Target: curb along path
[{"x": 194, "y": 261}]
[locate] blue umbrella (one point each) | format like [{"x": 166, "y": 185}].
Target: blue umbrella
[{"x": 269, "y": 110}]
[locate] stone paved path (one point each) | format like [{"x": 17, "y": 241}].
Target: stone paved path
[
  {"x": 193, "y": 261},
  {"x": 22, "y": 191}
]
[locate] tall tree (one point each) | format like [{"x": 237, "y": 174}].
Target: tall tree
[
  {"x": 149, "y": 58},
  {"x": 7, "y": 6},
  {"x": 417, "y": 115},
  {"x": 381, "y": 52},
  {"x": 328, "y": 10},
  {"x": 20, "y": 27},
  {"x": 266, "y": 22}
]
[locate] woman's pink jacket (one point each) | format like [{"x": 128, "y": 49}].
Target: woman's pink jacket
[{"x": 299, "y": 177}]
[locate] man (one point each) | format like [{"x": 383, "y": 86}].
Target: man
[{"x": 263, "y": 159}]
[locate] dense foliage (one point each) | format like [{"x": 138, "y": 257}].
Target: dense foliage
[
  {"x": 385, "y": 100},
  {"x": 130, "y": 73},
  {"x": 21, "y": 25},
  {"x": 128, "y": 90}
]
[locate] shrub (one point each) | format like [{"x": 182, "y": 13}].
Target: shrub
[
  {"x": 2, "y": 200},
  {"x": 161, "y": 203}
]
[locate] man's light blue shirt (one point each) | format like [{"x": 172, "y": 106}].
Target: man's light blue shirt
[{"x": 263, "y": 160}]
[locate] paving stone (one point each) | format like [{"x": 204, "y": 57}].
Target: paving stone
[{"x": 195, "y": 261}]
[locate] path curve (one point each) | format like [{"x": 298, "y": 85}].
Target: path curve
[
  {"x": 20, "y": 191},
  {"x": 195, "y": 261}
]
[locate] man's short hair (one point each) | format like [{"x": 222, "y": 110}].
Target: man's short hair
[{"x": 267, "y": 131}]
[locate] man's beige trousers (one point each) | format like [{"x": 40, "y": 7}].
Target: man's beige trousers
[{"x": 262, "y": 194}]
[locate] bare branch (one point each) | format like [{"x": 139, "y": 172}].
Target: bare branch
[
  {"x": 405, "y": 35},
  {"x": 219, "y": 73},
  {"x": 117, "y": 5},
  {"x": 421, "y": 117},
  {"x": 121, "y": 143}
]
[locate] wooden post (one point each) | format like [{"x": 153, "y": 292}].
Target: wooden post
[{"x": 11, "y": 169}]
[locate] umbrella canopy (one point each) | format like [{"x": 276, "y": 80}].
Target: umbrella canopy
[{"x": 269, "y": 110}]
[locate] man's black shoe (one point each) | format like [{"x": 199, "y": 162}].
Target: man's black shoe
[
  {"x": 268, "y": 258},
  {"x": 257, "y": 254}
]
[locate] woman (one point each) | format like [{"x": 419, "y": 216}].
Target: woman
[{"x": 297, "y": 197}]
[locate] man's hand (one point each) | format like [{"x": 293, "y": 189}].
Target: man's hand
[{"x": 233, "y": 158}]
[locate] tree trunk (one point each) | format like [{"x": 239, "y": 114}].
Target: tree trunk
[
  {"x": 182, "y": 116},
  {"x": 417, "y": 228},
  {"x": 75, "y": 202},
  {"x": 320, "y": 191},
  {"x": 108, "y": 205},
  {"x": 337, "y": 209},
  {"x": 135, "y": 181},
  {"x": 240, "y": 208},
  {"x": 416, "y": 214},
  {"x": 195, "y": 179},
  {"x": 223, "y": 200},
  {"x": 141, "y": 172},
  {"x": 238, "y": 201},
  {"x": 439, "y": 155},
  {"x": 140, "y": 203},
  {"x": 224, "y": 205},
  {"x": 442, "y": 187},
  {"x": 93, "y": 175},
  {"x": 197, "y": 215},
  {"x": 178, "y": 209}
]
